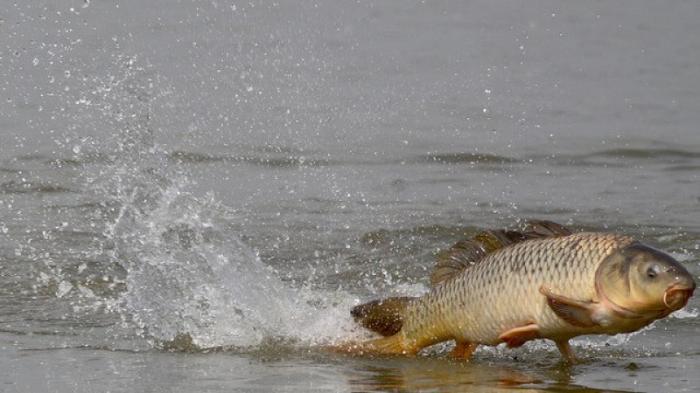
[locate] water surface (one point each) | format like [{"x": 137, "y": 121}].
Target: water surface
[{"x": 194, "y": 194}]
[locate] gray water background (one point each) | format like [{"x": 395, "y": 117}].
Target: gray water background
[{"x": 241, "y": 174}]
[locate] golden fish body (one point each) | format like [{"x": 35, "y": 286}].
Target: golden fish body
[
  {"x": 546, "y": 282},
  {"x": 502, "y": 292}
]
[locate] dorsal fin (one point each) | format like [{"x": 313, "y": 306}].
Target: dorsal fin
[
  {"x": 544, "y": 228},
  {"x": 466, "y": 253}
]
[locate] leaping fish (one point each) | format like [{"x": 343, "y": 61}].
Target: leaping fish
[{"x": 545, "y": 282}]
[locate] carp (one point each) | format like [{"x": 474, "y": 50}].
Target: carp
[{"x": 544, "y": 282}]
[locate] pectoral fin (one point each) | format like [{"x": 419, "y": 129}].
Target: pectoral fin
[
  {"x": 518, "y": 336},
  {"x": 576, "y": 312},
  {"x": 565, "y": 349}
]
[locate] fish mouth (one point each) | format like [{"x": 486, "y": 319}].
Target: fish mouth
[{"x": 677, "y": 296}]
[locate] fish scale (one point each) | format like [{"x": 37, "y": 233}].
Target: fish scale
[{"x": 501, "y": 291}]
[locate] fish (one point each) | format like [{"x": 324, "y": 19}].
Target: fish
[{"x": 543, "y": 282}]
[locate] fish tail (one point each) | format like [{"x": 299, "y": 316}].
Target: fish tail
[{"x": 383, "y": 316}]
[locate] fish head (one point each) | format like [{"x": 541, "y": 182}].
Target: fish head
[{"x": 640, "y": 280}]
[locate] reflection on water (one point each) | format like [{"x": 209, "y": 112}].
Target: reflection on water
[
  {"x": 442, "y": 375},
  {"x": 292, "y": 370},
  {"x": 432, "y": 374}
]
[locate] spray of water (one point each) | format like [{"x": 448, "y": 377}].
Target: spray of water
[{"x": 188, "y": 274}]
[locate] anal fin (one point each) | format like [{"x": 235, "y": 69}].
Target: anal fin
[
  {"x": 576, "y": 312},
  {"x": 518, "y": 336}
]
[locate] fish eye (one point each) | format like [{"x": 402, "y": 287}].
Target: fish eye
[{"x": 653, "y": 271}]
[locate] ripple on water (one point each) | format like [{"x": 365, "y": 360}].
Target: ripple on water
[
  {"x": 647, "y": 153},
  {"x": 269, "y": 161},
  {"x": 32, "y": 187},
  {"x": 464, "y": 158}
]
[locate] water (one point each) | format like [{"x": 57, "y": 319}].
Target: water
[{"x": 193, "y": 195}]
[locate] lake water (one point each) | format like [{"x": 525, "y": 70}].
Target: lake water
[{"x": 193, "y": 194}]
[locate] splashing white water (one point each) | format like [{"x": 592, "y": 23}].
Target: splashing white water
[
  {"x": 187, "y": 272},
  {"x": 188, "y": 275},
  {"x": 685, "y": 313}
]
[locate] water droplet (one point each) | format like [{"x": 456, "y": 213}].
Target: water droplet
[{"x": 63, "y": 288}]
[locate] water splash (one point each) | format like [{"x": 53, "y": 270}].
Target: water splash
[
  {"x": 188, "y": 274},
  {"x": 184, "y": 276},
  {"x": 685, "y": 313}
]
